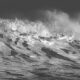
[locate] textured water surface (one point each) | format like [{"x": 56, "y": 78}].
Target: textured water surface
[{"x": 32, "y": 55}]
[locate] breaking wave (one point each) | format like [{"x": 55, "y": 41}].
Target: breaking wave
[{"x": 40, "y": 50}]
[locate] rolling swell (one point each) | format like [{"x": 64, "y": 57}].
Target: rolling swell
[{"x": 21, "y": 60}]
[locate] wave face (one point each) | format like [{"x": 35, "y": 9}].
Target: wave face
[{"x": 37, "y": 50}]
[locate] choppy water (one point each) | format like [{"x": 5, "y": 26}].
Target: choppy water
[{"x": 22, "y": 61}]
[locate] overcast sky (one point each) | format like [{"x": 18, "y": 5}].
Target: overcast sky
[{"x": 28, "y": 7}]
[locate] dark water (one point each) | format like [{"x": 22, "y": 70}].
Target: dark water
[{"x": 18, "y": 65}]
